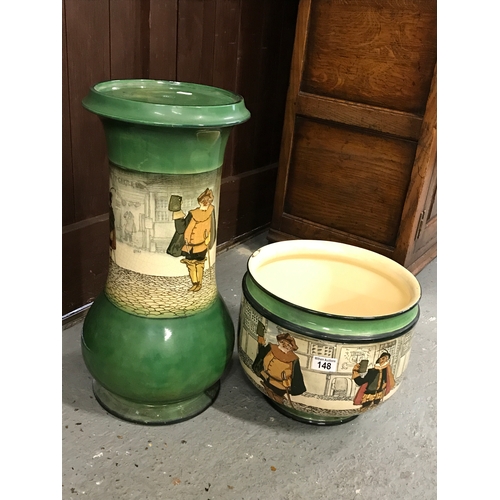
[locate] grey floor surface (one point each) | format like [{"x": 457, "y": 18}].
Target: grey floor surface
[{"x": 241, "y": 448}]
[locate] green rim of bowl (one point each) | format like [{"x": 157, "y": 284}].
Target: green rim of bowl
[
  {"x": 166, "y": 103},
  {"x": 323, "y": 326}
]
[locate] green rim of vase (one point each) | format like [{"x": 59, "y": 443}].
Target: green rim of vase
[
  {"x": 166, "y": 103},
  {"x": 327, "y": 327}
]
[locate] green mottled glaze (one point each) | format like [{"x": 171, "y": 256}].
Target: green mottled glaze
[
  {"x": 165, "y": 127},
  {"x": 165, "y": 149},
  {"x": 161, "y": 370},
  {"x": 161, "y": 362}
]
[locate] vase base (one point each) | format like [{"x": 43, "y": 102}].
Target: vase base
[
  {"x": 154, "y": 414},
  {"x": 309, "y": 418}
]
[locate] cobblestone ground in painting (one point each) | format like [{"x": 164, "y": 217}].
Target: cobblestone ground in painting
[
  {"x": 311, "y": 409},
  {"x": 158, "y": 296}
]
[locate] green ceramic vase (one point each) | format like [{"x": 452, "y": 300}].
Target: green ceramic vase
[{"x": 159, "y": 337}]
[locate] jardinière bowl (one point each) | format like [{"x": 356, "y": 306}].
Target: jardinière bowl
[{"x": 325, "y": 328}]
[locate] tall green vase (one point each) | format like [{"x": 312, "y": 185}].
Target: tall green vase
[{"x": 158, "y": 338}]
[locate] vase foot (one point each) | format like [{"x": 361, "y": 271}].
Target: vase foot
[
  {"x": 307, "y": 417},
  {"x": 154, "y": 414}
]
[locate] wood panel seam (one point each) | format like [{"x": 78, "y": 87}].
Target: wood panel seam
[
  {"x": 388, "y": 121},
  {"x": 256, "y": 171},
  {"x": 344, "y": 234},
  {"x": 85, "y": 223}
]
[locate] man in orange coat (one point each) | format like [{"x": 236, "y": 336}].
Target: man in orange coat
[
  {"x": 199, "y": 238},
  {"x": 278, "y": 366}
]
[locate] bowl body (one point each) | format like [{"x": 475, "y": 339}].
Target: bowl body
[{"x": 325, "y": 328}]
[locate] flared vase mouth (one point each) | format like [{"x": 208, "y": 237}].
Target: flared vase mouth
[
  {"x": 166, "y": 103},
  {"x": 334, "y": 279}
]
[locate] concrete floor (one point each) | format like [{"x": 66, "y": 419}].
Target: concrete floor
[{"x": 241, "y": 448}]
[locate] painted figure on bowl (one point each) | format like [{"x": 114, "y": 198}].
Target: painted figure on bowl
[
  {"x": 278, "y": 367},
  {"x": 376, "y": 383}
]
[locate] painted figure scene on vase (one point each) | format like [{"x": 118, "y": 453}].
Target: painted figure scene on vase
[{"x": 163, "y": 231}]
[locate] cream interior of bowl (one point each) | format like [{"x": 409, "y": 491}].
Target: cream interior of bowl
[{"x": 334, "y": 278}]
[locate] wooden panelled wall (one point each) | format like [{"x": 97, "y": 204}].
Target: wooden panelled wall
[{"x": 244, "y": 46}]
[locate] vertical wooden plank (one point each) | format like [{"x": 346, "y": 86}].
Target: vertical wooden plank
[
  {"x": 267, "y": 82},
  {"x": 248, "y": 78},
  {"x": 163, "y": 39},
  {"x": 85, "y": 254},
  {"x": 297, "y": 65},
  {"x": 68, "y": 209},
  {"x": 245, "y": 204},
  {"x": 227, "y": 28},
  {"x": 195, "y": 38},
  {"x": 87, "y": 46},
  {"x": 87, "y": 25},
  {"x": 284, "y": 58},
  {"x": 129, "y": 38},
  {"x": 226, "y": 44},
  {"x": 421, "y": 176}
]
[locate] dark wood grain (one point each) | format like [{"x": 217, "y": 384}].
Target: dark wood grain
[
  {"x": 388, "y": 121},
  {"x": 423, "y": 183},
  {"x": 266, "y": 82},
  {"x": 195, "y": 41},
  {"x": 227, "y": 29},
  {"x": 296, "y": 69},
  {"x": 163, "y": 40},
  {"x": 248, "y": 81},
  {"x": 87, "y": 46},
  {"x": 68, "y": 200},
  {"x": 295, "y": 228},
  {"x": 425, "y": 243},
  {"x": 349, "y": 179},
  {"x": 87, "y": 25},
  {"x": 357, "y": 151},
  {"x": 380, "y": 52},
  {"x": 276, "y": 109},
  {"x": 84, "y": 265},
  {"x": 246, "y": 203},
  {"x": 128, "y": 21},
  {"x": 225, "y": 61}
]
